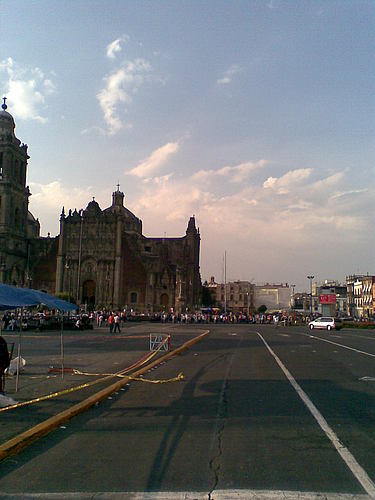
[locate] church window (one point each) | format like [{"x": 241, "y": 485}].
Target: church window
[
  {"x": 133, "y": 297},
  {"x": 17, "y": 217}
]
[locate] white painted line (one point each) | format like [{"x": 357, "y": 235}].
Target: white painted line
[
  {"x": 340, "y": 345},
  {"x": 359, "y": 336},
  {"x": 189, "y": 495},
  {"x": 359, "y": 473}
]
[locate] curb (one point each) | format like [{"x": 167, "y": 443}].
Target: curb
[{"x": 19, "y": 442}]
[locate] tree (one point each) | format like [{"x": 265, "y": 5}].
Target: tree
[
  {"x": 207, "y": 299},
  {"x": 262, "y": 309}
]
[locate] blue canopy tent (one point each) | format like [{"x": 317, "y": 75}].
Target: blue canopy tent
[{"x": 12, "y": 297}]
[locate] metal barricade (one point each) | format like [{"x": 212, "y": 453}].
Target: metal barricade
[{"x": 160, "y": 342}]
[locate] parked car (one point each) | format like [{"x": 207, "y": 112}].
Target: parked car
[{"x": 326, "y": 323}]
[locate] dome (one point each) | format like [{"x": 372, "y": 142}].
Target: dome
[
  {"x": 6, "y": 120},
  {"x": 93, "y": 208}
]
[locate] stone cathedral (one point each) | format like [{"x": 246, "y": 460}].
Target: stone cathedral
[{"x": 100, "y": 258}]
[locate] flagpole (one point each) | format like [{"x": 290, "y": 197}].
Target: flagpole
[{"x": 225, "y": 282}]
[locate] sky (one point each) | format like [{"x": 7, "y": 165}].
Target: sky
[{"x": 257, "y": 117}]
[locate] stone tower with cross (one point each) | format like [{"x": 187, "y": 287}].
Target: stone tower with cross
[{"x": 17, "y": 225}]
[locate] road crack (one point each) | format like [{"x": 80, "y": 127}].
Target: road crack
[
  {"x": 215, "y": 462},
  {"x": 217, "y": 441}
]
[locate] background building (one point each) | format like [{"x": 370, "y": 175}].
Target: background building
[
  {"x": 329, "y": 298},
  {"x": 368, "y": 299},
  {"x": 235, "y": 296},
  {"x": 275, "y": 296},
  {"x": 361, "y": 295}
]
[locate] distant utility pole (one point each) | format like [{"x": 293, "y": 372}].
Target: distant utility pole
[
  {"x": 311, "y": 277},
  {"x": 225, "y": 282}
]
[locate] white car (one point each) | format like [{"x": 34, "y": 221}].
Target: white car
[{"x": 325, "y": 323}]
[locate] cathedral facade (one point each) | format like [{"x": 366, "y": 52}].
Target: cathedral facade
[
  {"x": 104, "y": 259},
  {"x": 101, "y": 257}
]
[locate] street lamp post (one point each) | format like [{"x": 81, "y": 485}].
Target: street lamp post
[
  {"x": 68, "y": 268},
  {"x": 311, "y": 277},
  {"x": 292, "y": 304}
]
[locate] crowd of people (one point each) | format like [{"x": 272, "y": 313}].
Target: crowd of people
[{"x": 114, "y": 320}]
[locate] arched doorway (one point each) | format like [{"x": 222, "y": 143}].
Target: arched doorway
[
  {"x": 88, "y": 292},
  {"x": 164, "y": 299}
]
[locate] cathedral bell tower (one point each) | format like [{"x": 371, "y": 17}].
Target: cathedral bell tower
[{"x": 14, "y": 200}]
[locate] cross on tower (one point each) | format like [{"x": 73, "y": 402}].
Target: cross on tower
[
  {"x": 4, "y": 106},
  {"x": 118, "y": 187}
]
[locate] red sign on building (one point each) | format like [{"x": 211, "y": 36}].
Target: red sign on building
[{"x": 327, "y": 298}]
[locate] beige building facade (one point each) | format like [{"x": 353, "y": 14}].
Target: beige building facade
[{"x": 235, "y": 296}]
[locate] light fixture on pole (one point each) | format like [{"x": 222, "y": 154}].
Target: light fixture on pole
[
  {"x": 293, "y": 304},
  {"x": 311, "y": 277}
]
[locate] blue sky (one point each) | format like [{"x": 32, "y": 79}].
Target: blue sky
[{"x": 256, "y": 116}]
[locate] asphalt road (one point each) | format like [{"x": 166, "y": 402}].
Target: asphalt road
[{"x": 261, "y": 411}]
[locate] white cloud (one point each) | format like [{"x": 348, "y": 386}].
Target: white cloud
[
  {"x": 228, "y": 75},
  {"x": 155, "y": 161},
  {"x": 278, "y": 232},
  {"x": 114, "y": 47},
  {"x": 288, "y": 180},
  {"x": 158, "y": 180},
  {"x": 270, "y": 182},
  {"x": 347, "y": 194},
  {"x": 26, "y": 89},
  {"x": 236, "y": 173},
  {"x": 332, "y": 180},
  {"x": 93, "y": 129},
  {"x": 119, "y": 87}
]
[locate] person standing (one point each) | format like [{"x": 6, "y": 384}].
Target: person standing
[
  {"x": 116, "y": 321},
  {"x": 111, "y": 320}
]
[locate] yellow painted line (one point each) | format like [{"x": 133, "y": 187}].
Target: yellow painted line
[{"x": 19, "y": 442}]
